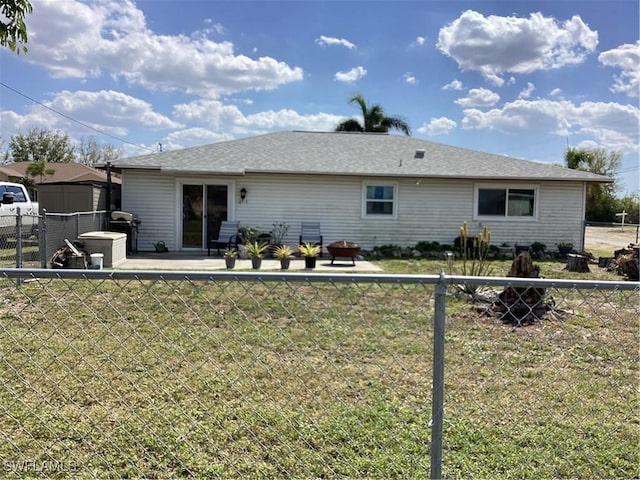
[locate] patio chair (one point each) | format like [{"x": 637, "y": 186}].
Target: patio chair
[
  {"x": 227, "y": 238},
  {"x": 310, "y": 232}
]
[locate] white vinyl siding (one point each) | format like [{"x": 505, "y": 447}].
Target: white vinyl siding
[
  {"x": 428, "y": 209},
  {"x": 151, "y": 196}
]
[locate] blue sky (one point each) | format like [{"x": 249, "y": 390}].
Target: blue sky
[{"x": 519, "y": 78}]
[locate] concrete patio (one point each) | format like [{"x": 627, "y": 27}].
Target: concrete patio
[{"x": 201, "y": 262}]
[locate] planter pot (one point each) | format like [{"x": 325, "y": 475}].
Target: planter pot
[
  {"x": 310, "y": 262},
  {"x": 285, "y": 263},
  {"x": 230, "y": 262},
  {"x": 256, "y": 262}
]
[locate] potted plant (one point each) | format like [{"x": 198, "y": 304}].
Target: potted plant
[
  {"x": 278, "y": 234},
  {"x": 247, "y": 234},
  {"x": 256, "y": 252},
  {"x": 230, "y": 257},
  {"x": 505, "y": 250},
  {"x": 537, "y": 249},
  {"x": 310, "y": 252},
  {"x": 564, "y": 248},
  {"x": 284, "y": 254}
]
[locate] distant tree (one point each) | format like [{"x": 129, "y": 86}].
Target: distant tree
[
  {"x": 374, "y": 119},
  {"x": 4, "y": 154},
  {"x": 41, "y": 144},
  {"x": 90, "y": 152},
  {"x": 13, "y": 30},
  {"x": 631, "y": 205},
  {"x": 601, "y": 197}
]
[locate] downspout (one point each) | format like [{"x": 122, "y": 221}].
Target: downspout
[{"x": 584, "y": 213}]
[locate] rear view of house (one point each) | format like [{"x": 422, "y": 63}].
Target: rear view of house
[{"x": 373, "y": 189}]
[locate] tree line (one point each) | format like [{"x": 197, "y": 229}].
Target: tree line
[
  {"x": 42, "y": 147},
  {"x": 602, "y": 203}
]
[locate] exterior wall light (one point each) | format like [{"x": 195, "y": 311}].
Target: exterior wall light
[{"x": 243, "y": 194}]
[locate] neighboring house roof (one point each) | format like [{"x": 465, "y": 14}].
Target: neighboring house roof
[
  {"x": 341, "y": 153},
  {"x": 62, "y": 173}
]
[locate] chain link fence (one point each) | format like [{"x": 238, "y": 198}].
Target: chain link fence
[
  {"x": 24, "y": 246},
  {"x": 117, "y": 374},
  {"x": 20, "y": 241}
]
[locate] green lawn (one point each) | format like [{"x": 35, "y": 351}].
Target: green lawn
[{"x": 162, "y": 379}]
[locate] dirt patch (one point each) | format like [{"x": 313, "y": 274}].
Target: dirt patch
[{"x": 609, "y": 237}]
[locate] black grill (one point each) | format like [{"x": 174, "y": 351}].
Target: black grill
[{"x": 125, "y": 222}]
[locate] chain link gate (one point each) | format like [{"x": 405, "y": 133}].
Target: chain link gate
[{"x": 271, "y": 375}]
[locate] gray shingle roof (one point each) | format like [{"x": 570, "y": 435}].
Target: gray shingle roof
[{"x": 349, "y": 154}]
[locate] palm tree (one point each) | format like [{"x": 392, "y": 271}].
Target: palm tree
[
  {"x": 374, "y": 118},
  {"x": 39, "y": 168}
]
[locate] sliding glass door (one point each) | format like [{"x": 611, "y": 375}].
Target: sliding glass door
[{"x": 204, "y": 207}]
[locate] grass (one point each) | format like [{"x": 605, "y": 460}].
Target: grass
[{"x": 220, "y": 379}]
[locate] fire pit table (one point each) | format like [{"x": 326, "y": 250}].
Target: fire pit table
[{"x": 343, "y": 249}]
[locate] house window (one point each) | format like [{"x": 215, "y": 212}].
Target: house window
[
  {"x": 379, "y": 200},
  {"x": 506, "y": 202}
]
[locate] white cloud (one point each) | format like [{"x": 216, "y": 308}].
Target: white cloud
[
  {"x": 114, "y": 113},
  {"x": 410, "y": 78},
  {"x": 612, "y": 125},
  {"x": 212, "y": 113},
  {"x": 453, "y": 85},
  {"x": 218, "y": 117},
  {"x": 438, "y": 126},
  {"x": 327, "y": 41},
  {"x": 352, "y": 75},
  {"x": 419, "y": 41},
  {"x": 193, "y": 136},
  {"x": 73, "y": 39},
  {"x": 108, "y": 107},
  {"x": 627, "y": 58},
  {"x": 526, "y": 93},
  {"x": 556, "y": 92},
  {"x": 496, "y": 45},
  {"x": 479, "y": 97}
]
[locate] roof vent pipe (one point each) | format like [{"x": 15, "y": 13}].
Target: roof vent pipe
[{"x": 419, "y": 153}]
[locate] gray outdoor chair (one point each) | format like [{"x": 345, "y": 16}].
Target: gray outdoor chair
[
  {"x": 310, "y": 232},
  {"x": 227, "y": 238}
]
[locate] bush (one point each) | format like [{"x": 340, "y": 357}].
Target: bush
[
  {"x": 424, "y": 246},
  {"x": 389, "y": 250}
]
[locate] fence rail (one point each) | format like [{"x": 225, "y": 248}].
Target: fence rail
[{"x": 296, "y": 375}]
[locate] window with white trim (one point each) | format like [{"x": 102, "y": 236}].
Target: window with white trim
[
  {"x": 506, "y": 202},
  {"x": 379, "y": 200}
]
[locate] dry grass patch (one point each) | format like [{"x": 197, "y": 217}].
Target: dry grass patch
[{"x": 263, "y": 380}]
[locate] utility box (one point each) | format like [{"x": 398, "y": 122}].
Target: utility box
[{"x": 113, "y": 245}]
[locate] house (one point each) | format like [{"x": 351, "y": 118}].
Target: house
[
  {"x": 373, "y": 189},
  {"x": 71, "y": 187}
]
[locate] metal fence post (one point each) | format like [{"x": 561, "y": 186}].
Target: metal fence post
[
  {"x": 19, "y": 260},
  {"x": 42, "y": 237},
  {"x": 437, "y": 400}
]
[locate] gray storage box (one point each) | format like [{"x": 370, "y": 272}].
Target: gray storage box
[{"x": 113, "y": 245}]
